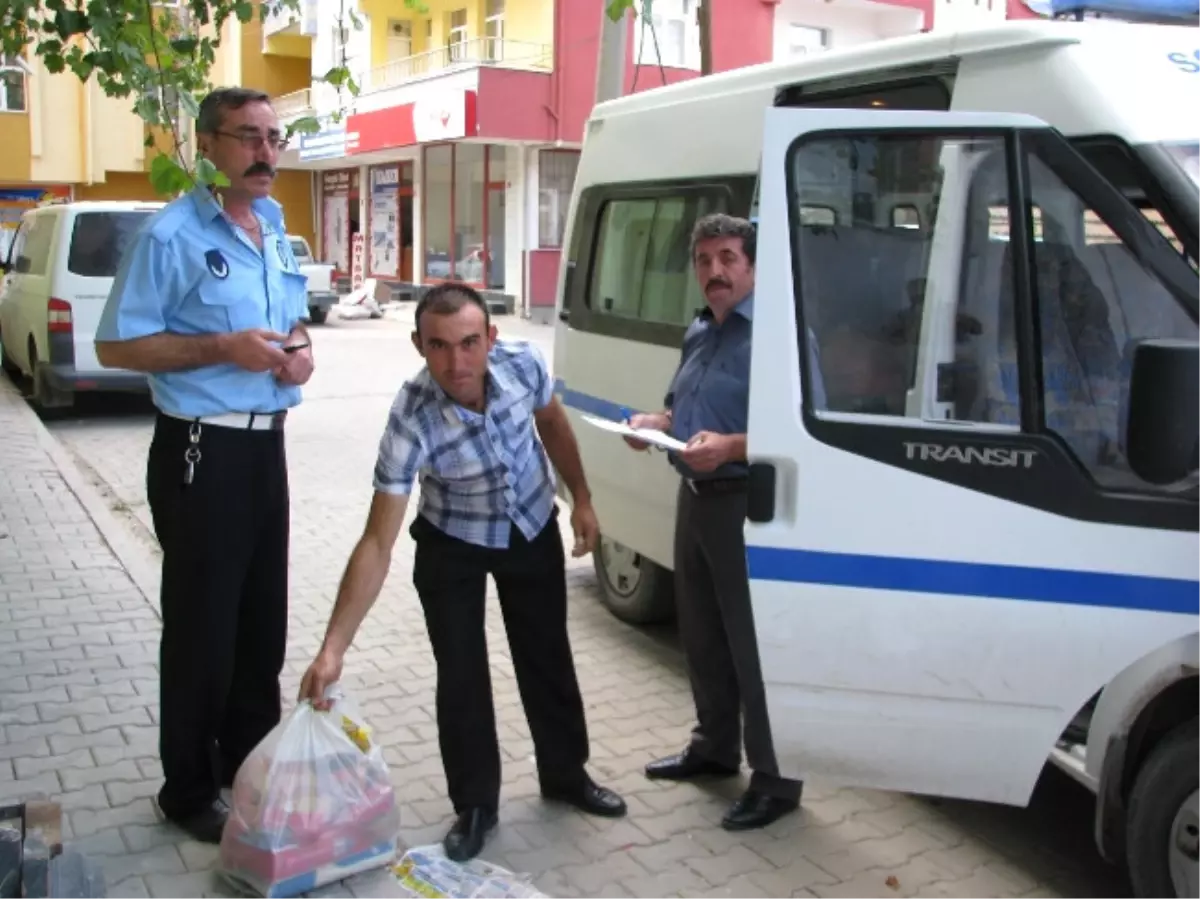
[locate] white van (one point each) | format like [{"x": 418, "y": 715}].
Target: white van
[
  {"x": 57, "y": 276},
  {"x": 981, "y": 550}
]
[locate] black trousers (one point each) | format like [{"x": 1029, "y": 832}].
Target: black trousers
[
  {"x": 224, "y": 539},
  {"x": 451, "y": 578},
  {"x": 716, "y": 627}
]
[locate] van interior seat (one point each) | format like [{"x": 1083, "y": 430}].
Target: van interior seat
[
  {"x": 1080, "y": 362},
  {"x": 854, "y": 281}
]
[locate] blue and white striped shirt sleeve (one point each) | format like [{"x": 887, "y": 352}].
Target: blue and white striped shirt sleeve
[
  {"x": 402, "y": 447},
  {"x": 544, "y": 384}
]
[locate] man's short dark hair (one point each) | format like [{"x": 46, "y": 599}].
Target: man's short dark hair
[
  {"x": 448, "y": 298},
  {"x": 718, "y": 224},
  {"x": 214, "y": 106}
]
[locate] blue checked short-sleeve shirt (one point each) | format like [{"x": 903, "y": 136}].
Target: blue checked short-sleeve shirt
[{"x": 480, "y": 472}]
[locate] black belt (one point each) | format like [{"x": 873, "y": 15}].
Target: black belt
[{"x": 716, "y": 486}]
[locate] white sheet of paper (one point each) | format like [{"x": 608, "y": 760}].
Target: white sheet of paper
[{"x": 654, "y": 438}]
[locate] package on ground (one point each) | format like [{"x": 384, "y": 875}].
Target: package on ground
[
  {"x": 426, "y": 872},
  {"x": 312, "y": 804}
]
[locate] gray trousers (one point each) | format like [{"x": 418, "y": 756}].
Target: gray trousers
[{"x": 716, "y": 625}]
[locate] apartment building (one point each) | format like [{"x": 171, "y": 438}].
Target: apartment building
[
  {"x": 457, "y": 157},
  {"x": 67, "y": 140}
]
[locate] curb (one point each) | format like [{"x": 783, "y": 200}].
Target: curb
[{"x": 141, "y": 567}]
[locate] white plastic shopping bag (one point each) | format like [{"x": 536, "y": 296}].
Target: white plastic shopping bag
[
  {"x": 425, "y": 872},
  {"x": 312, "y": 803}
]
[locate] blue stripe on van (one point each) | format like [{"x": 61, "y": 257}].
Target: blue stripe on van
[
  {"x": 1085, "y": 588},
  {"x": 591, "y": 405},
  {"x": 1088, "y": 588}
]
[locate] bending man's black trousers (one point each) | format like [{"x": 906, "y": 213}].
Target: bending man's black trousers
[
  {"x": 224, "y": 539},
  {"x": 451, "y": 578}
]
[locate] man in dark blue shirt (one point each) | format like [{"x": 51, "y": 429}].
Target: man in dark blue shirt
[{"x": 707, "y": 406}]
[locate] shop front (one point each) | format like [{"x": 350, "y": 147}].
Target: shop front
[
  {"x": 339, "y": 218},
  {"x": 391, "y": 221},
  {"x": 464, "y": 214}
]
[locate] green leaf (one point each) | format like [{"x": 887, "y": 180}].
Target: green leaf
[
  {"x": 185, "y": 46},
  {"x": 355, "y": 20},
  {"x": 168, "y": 177},
  {"x": 207, "y": 173},
  {"x": 305, "y": 125},
  {"x": 244, "y": 10},
  {"x": 148, "y": 142},
  {"x": 189, "y": 104},
  {"x": 337, "y": 76},
  {"x": 617, "y": 8}
]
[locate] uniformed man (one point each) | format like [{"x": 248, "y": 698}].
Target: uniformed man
[
  {"x": 707, "y": 407},
  {"x": 468, "y": 426},
  {"x": 209, "y": 302}
]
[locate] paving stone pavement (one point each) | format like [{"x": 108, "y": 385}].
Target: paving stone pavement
[{"x": 78, "y": 691}]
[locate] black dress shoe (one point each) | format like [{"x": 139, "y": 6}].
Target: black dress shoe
[
  {"x": 206, "y": 824},
  {"x": 465, "y": 838},
  {"x": 686, "y": 766},
  {"x": 754, "y": 810},
  {"x": 590, "y": 797}
]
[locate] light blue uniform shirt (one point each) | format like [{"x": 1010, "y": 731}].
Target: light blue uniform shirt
[{"x": 189, "y": 272}]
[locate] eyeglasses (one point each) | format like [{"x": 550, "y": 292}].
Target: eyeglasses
[{"x": 254, "y": 141}]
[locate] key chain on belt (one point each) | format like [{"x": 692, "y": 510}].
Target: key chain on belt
[{"x": 192, "y": 454}]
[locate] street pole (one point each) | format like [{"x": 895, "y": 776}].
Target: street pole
[
  {"x": 614, "y": 47},
  {"x": 704, "y": 24}
]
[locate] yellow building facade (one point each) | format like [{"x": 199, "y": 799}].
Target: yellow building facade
[{"x": 64, "y": 138}]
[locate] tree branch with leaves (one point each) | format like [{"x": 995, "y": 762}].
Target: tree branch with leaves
[{"x": 159, "y": 56}]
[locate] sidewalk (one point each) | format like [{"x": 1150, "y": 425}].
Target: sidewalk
[{"x": 79, "y": 636}]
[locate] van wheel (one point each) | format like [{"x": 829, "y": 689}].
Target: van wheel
[
  {"x": 44, "y": 398},
  {"x": 317, "y": 315},
  {"x": 634, "y": 589},
  {"x": 9, "y": 367},
  {"x": 1164, "y": 818}
]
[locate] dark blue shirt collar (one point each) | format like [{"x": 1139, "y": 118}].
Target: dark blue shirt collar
[{"x": 745, "y": 308}]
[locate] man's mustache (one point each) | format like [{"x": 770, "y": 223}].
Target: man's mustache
[
  {"x": 718, "y": 282},
  {"x": 259, "y": 168}
]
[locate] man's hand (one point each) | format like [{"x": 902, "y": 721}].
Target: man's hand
[
  {"x": 255, "y": 350},
  {"x": 297, "y": 370},
  {"x": 586, "y": 527},
  {"x": 708, "y": 451},
  {"x": 321, "y": 674},
  {"x": 653, "y": 421}
]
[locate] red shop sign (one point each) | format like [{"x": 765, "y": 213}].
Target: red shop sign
[{"x": 441, "y": 115}]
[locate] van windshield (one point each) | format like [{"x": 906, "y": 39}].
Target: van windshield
[{"x": 99, "y": 241}]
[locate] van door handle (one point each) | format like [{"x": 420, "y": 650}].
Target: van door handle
[
  {"x": 564, "y": 314},
  {"x": 760, "y": 503}
]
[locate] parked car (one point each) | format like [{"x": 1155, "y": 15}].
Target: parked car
[
  {"x": 56, "y": 278},
  {"x": 321, "y": 295}
]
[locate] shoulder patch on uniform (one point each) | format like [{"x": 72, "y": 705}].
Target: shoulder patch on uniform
[{"x": 218, "y": 267}]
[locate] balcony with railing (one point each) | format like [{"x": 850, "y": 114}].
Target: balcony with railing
[
  {"x": 294, "y": 105},
  {"x": 458, "y": 56}
]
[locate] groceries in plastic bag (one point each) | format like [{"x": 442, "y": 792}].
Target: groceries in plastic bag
[
  {"x": 312, "y": 804},
  {"x": 426, "y": 872}
]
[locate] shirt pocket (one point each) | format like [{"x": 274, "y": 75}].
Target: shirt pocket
[
  {"x": 230, "y": 306},
  {"x": 289, "y": 293}
]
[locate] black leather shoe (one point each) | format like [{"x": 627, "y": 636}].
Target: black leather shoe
[
  {"x": 754, "y": 810},
  {"x": 205, "y": 825},
  {"x": 465, "y": 838},
  {"x": 686, "y": 766},
  {"x": 591, "y": 798}
]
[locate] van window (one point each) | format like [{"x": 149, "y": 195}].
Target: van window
[
  {"x": 99, "y": 240},
  {"x": 642, "y": 267},
  {"x": 33, "y": 257},
  {"x": 299, "y": 249}
]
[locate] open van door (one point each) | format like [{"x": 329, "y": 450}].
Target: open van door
[{"x": 949, "y": 553}]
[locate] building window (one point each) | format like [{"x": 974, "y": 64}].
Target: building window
[
  {"x": 556, "y": 179},
  {"x": 456, "y": 36},
  {"x": 677, "y": 34},
  {"x": 805, "y": 39},
  {"x": 493, "y": 31},
  {"x": 464, "y": 219},
  {"x": 12, "y": 84}
]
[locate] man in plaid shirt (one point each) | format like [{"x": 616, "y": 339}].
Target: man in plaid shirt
[{"x": 468, "y": 426}]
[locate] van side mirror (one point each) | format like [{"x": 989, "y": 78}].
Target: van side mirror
[{"x": 1162, "y": 435}]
